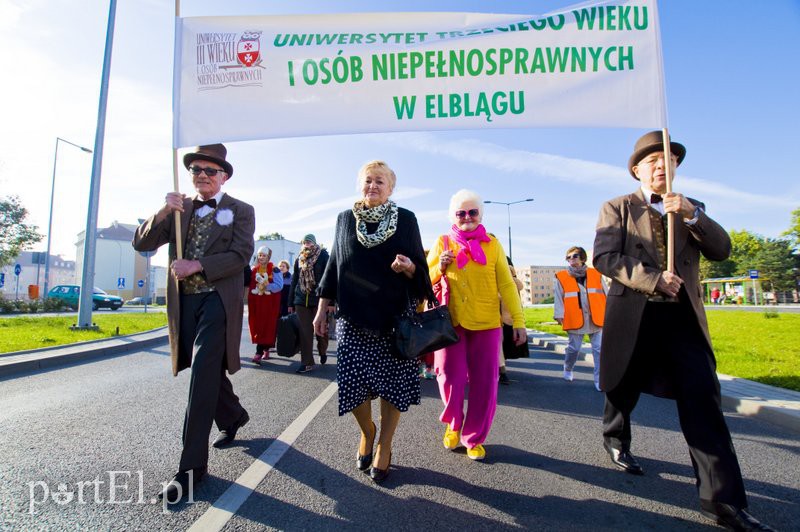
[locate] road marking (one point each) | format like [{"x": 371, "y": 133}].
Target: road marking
[{"x": 218, "y": 515}]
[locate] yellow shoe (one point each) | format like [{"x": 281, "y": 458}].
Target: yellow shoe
[
  {"x": 451, "y": 438},
  {"x": 477, "y": 452}
]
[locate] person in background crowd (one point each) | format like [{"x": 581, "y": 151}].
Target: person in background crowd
[
  {"x": 579, "y": 307},
  {"x": 508, "y": 349},
  {"x": 284, "y": 267},
  {"x": 715, "y": 295},
  {"x": 376, "y": 272},
  {"x": 263, "y": 303},
  {"x": 656, "y": 335},
  {"x": 480, "y": 273},
  {"x": 204, "y": 304},
  {"x": 303, "y": 299}
]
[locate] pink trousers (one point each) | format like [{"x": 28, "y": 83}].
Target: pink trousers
[{"x": 473, "y": 360}]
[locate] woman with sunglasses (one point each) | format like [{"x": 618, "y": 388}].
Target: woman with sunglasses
[
  {"x": 579, "y": 307},
  {"x": 476, "y": 271},
  {"x": 377, "y": 268}
]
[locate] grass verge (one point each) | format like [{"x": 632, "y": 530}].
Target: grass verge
[
  {"x": 759, "y": 346},
  {"x": 31, "y": 332}
]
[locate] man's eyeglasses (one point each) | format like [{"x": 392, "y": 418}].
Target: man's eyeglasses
[
  {"x": 210, "y": 172},
  {"x": 574, "y": 256},
  {"x": 463, "y": 214}
]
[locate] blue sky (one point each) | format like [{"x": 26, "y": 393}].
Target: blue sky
[{"x": 731, "y": 69}]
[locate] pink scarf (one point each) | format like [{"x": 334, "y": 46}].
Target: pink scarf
[{"x": 469, "y": 244}]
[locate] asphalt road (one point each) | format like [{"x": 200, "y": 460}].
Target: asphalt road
[{"x": 67, "y": 432}]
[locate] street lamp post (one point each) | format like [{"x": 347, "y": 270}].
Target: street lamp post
[
  {"x": 508, "y": 205},
  {"x": 50, "y": 221}
]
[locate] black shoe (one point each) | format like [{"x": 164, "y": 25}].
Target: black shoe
[
  {"x": 504, "y": 379},
  {"x": 182, "y": 484},
  {"x": 379, "y": 475},
  {"x": 323, "y": 358},
  {"x": 305, "y": 369},
  {"x": 731, "y": 517},
  {"x": 364, "y": 461},
  {"x": 624, "y": 460},
  {"x": 226, "y": 436}
]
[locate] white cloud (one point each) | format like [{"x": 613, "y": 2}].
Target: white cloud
[{"x": 569, "y": 170}]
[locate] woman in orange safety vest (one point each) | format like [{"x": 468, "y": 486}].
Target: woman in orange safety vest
[{"x": 579, "y": 307}]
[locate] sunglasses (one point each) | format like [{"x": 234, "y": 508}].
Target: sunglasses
[
  {"x": 210, "y": 172},
  {"x": 573, "y": 256},
  {"x": 463, "y": 214}
]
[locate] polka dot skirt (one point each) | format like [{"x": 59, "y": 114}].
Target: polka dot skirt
[{"x": 366, "y": 369}]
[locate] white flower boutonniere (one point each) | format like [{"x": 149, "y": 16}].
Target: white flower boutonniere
[{"x": 224, "y": 217}]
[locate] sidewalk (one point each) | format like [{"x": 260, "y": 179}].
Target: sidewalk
[{"x": 776, "y": 405}]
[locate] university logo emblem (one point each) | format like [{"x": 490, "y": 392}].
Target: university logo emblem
[{"x": 248, "y": 48}]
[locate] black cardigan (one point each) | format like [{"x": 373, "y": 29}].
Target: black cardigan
[{"x": 367, "y": 291}]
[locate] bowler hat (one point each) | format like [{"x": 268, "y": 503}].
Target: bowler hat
[
  {"x": 650, "y": 142},
  {"x": 215, "y": 153}
]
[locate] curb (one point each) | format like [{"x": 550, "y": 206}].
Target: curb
[
  {"x": 50, "y": 357},
  {"x": 749, "y": 398}
]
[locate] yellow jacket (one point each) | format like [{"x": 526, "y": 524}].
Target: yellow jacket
[{"x": 474, "y": 303}]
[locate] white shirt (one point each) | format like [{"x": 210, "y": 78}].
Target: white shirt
[
  {"x": 205, "y": 209},
  {"x": 660, "y": 206}
]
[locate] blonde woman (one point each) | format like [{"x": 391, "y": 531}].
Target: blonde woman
[{"x": 377, "y": 264}]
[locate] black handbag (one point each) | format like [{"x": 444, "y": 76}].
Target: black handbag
[{"x": 419, "y": 333}]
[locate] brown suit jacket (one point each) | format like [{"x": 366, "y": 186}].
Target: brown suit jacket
[
  {"x": 625, "y": 252},
  {"x": 228, "y": 250}
]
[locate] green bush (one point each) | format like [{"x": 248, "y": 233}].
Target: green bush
[
  {"x": 19, "y": 306},
  {"x": 6, "y": 306}
]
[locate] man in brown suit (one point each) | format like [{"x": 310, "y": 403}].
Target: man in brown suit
[
  {"x": 204, "y": 304},
  {"x": 655, "y": 337}
]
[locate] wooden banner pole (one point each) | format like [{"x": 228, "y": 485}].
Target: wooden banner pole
[
  {"x": 175, "y": 181},
  {"x": 671, "y": 216}
]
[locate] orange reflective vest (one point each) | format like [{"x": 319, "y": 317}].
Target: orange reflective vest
[{"x": 573, "y": 315}]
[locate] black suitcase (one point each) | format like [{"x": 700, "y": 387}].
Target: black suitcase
[{"x": 288, "y": 341}]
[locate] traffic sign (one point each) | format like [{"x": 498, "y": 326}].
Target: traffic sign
[
  {"x": 140, "y": 283},
  {"x": 17, "y": 269},
  {"x": 754, "y": 274},
  {"x": 147, "y": 254},
  {"x": 2, "y": 280},
  {"x": 121, "y": 282}
]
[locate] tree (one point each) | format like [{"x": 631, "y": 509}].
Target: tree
[
  {"x": 271, "y": 236},
  {"x": 776, "y": 262},
  {"x": 15, "y": 235},
  {"x": 794, "y": 229},
  {"x": 744, "y": 248}
]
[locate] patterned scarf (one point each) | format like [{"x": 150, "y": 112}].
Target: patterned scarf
[
  {"x": 386, "y": 217},
  {"x": 577, "y": 272},
  {"x": 469, "y": 244},
  {"x": 307, "y": 259}
]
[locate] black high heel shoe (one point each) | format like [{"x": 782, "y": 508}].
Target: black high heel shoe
[
  {"x": 364, "y": 461},
  {"x": 379, "y": 475}
]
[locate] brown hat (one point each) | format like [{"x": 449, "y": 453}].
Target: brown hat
[
  {"x": 213, "y": 152},
  {"x": 650, "y": 142}
]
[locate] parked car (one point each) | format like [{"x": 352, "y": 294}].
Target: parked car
[
  {"x": 69, "y": 294},
  {"x": 138, "y": 300}
]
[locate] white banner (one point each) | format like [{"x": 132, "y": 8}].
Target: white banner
[{"x": 246, "y": 78}]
